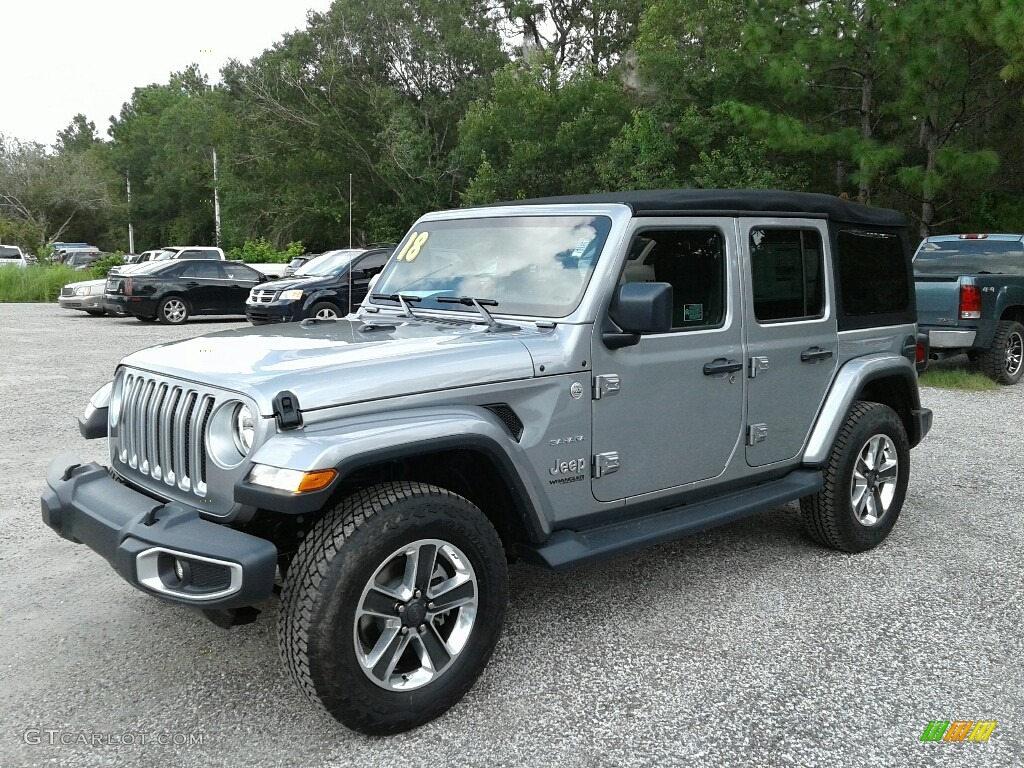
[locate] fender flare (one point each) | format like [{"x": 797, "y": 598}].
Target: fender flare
[
  {"x": 348, "y": 445},
  {"x": 844, "y": 392}
]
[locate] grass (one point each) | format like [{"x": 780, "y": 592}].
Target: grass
[
  {"x": 37, "y": 282},
  {"x": 958, "y": 378}
]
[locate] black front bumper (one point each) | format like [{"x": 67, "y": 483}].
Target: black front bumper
[
  {"x": 144, "y": 539},
  {"x": 279, "y": 312}
]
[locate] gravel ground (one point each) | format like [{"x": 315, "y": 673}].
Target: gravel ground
[{"x": 746, "y": 645}]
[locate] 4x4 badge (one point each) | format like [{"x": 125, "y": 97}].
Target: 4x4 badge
[{"x": 576, "y": 390}]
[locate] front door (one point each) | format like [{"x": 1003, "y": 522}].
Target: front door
[
  {"x": 668, "y": 411},
  {"x": 792, "y": 344}
]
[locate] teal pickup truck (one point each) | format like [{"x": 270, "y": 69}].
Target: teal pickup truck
[{"x": 970, "y": 299}]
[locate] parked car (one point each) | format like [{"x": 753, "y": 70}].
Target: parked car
[
  {"x": 12, "y": 256},
  {"x": 82, "y": 260},
  {"x": 328, "y": 286},
  {"x": 142, "y": 257},
  {"x": 67, "y": 254},
  {"x": 173, "y": 253},
  {"x": 86, "y": 296},
  {"x": 297, "y": 262},
  {"x": 173, "y": 292},
  {"x": 970, "y": 299},
  {"x": 513, "y": 387}
]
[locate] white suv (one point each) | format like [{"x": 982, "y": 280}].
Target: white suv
[{"x": 11, "y": 256}]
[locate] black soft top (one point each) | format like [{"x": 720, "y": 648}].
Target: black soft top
[{"x": 673, "y": 202}]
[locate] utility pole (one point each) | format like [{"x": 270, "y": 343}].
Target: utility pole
[
  {"x": 131, "y": 233},
  {"x": 216, "y": 202}
]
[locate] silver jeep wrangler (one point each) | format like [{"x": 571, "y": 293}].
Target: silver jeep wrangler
[{"x": 558, "y": 380}]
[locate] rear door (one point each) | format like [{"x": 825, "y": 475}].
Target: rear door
[
  {"x": 239, "y": 281},
  {"x": 791, "y": 333},
  {"x": 204, "y": 284}
]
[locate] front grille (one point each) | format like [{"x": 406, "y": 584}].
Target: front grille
[
  {"x": 66, "y": 291},
  {"x": 161, "y": 429},
  {"x": 262, "y": 296}
]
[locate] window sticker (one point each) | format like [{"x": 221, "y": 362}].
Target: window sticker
[
  {"x": 693, "y": 312},
  {"x": 581, "y": 247}
]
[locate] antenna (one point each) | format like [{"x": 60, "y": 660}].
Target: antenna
[{"x": 350, "y": 259}]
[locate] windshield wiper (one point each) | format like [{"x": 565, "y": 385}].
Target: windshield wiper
[
  {"x": 479, "y": 304},
  {"x": 401, "y": 299}
]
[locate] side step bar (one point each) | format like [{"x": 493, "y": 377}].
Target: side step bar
[{"x": 567, "y": 549}]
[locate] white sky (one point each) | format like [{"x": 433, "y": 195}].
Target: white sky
[{"x": 62, "y": 57}]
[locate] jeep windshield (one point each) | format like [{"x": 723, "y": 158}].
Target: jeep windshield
[
  {"x": 530, "y": 265},
  {"x": 970, "y": 257}
]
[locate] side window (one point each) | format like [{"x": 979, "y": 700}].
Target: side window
[
  {"x": 239, "y": 272},
  {"x": 186, "y": 270},
  {"x": 788, "y": 276},
  {"x": 693, "y": 261},
  {"x": 872, "y": 273},
  {"x": 373, "y": 263},
  {"x": 208, "y": 270}
]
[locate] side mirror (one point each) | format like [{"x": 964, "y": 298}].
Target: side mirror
[
  {"x": 262, "y": 278},
  {"x": 639, "y": 308}
]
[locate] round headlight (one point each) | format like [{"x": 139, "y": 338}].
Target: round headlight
[{"x": 245, "y": 429}]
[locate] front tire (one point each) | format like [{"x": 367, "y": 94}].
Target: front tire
[
  {"x": 1004, "y": 362},
  {"x": 865, "y": 482},
  {"x": 172, "y": 311},
  {"x": 393, "y": 605},
  {"x": 324, "y": 310}
]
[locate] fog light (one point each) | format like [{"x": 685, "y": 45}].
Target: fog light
[{"x": 179, "y": 569}]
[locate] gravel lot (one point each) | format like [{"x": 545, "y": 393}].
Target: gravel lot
[{"x": 746, "y": 645}]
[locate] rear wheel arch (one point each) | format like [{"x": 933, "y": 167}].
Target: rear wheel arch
[
  {"x": 1015, "y": 313},
  {"x": 899, "y": 392}
]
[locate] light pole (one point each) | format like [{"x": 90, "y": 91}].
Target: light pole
[
  {"x": 216, "y": 202},
  {"x": 131, "y": 233}
]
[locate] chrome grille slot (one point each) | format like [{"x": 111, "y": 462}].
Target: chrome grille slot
[{"x": 161, "y": 431}]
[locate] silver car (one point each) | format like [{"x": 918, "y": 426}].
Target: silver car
[{"x": 86, "y": 296}]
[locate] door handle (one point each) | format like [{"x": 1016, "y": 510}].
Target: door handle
[
  {"x": 814, "y": 354},
  {"x": 722, "y": 365}
]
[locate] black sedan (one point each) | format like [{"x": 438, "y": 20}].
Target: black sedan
[
  {"x": 172, "y": 291},
  {"x": 327, "y": 286}
]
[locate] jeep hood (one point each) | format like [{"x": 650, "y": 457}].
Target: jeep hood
[{"x": 347, "y": 361}]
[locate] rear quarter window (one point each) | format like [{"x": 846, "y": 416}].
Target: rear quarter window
[{"x": 873, "y": 275}]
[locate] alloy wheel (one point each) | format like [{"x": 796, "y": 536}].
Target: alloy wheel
[
  {"x": 415, "y": 615},
  {"x": 874, "y": 480}
]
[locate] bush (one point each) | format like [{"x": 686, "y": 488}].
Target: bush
[
  {"x": 261, "y": 251},
  {"x": 101, "y": 268},
  {"x": 38, "y": 282}
]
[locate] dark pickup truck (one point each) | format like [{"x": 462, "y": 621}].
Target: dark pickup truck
[{"x": 970, "y": 299}]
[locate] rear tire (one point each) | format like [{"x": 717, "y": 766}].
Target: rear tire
[
  {"x": 865, "y": 482},
  {"x": 1004, "y": 361},
  {"x": 173, "y": 310},
  {"x": 362, "y": 629}
]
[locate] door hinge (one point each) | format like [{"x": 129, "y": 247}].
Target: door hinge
[
  {"x": 605, "y": 463},
  {"x": 757, "y": 433},
  {"x": 758, "y": 364},
  {"x": 606, "y": 385}
]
